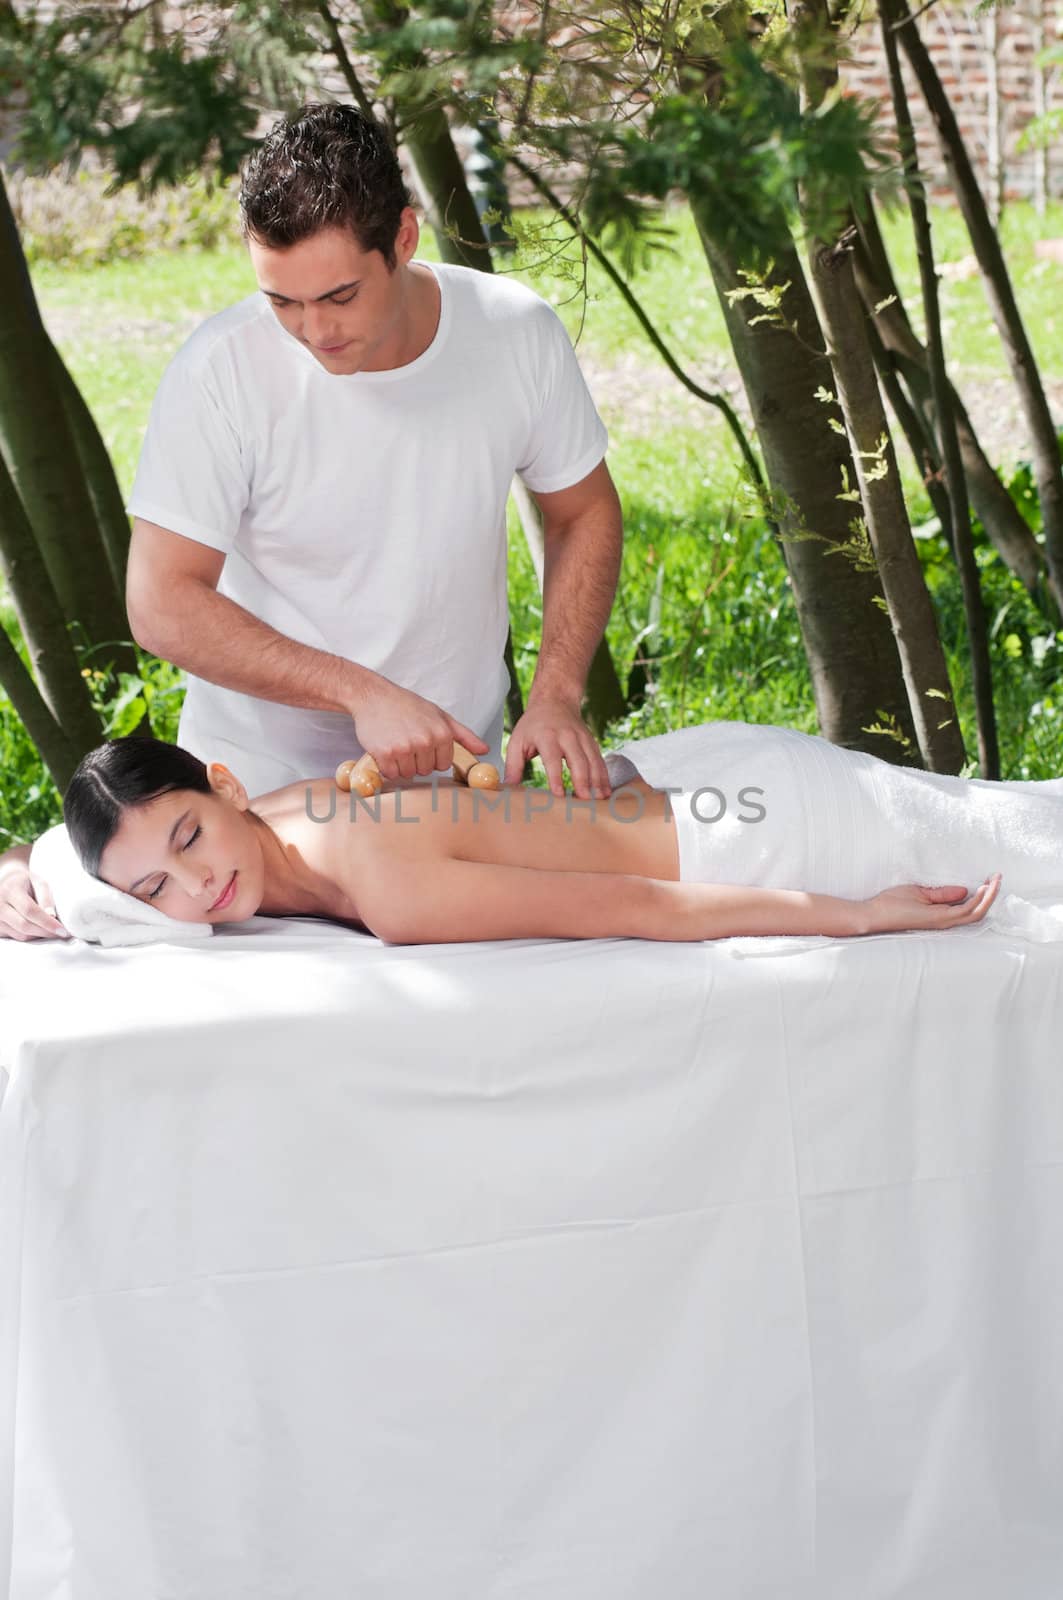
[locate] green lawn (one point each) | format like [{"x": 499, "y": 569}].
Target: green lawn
[{"x": 727, "y": 641}]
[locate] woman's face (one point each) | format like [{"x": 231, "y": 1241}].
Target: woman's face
[{"x": 185, "y": 851}]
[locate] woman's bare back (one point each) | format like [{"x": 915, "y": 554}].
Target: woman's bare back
[{"x": 344, "y": 839}]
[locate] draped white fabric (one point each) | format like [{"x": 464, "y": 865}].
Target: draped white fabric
[{"x": 602, "y": 1270}]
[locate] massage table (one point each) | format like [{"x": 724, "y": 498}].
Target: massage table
[{"x": 531, "y": 1270}]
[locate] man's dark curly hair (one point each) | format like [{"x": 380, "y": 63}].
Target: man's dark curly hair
[{"x": 327, "y": 167}]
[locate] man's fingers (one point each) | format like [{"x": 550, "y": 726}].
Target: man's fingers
[
  {"x": 590, "y": 775},
  {"x": 465, "y": 736},
  {"x": 428, "y": 760},
  {"x": 516, "y": 756},
  {"x": 551, "y": 758},
  {"x": 580, "y": 768}
]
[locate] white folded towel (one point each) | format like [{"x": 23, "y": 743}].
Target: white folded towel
[{"x": 96, "y": 911}]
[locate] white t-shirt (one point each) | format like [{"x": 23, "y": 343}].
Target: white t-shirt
[{"x": 364, "y": 514}]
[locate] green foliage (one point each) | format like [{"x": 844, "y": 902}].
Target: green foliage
[
  {"x": 445, "y": 51},
  {"x": 742, "y": 157},
  {"x": 155, "y": 106},
  {"x": 83, "y": 221}
]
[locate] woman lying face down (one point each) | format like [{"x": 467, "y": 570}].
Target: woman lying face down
[{"x": 439, "y": 864}]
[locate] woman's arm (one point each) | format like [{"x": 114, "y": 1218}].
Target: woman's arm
[{"x": 448, "y": 902}]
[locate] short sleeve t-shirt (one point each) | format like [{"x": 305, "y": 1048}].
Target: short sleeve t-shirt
[{"x": 364, "y": 514}]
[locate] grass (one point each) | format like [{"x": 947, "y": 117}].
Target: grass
[{"x": 727, "y": 641}]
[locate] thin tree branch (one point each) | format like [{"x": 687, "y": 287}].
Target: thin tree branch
[
  {"x": 346, "y": 65},
  {"x": 720, "y": 401}
]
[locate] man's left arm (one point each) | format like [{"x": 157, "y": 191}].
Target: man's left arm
[{"x": 583, "y": 543}]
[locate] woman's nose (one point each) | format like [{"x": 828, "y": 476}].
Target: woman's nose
[{"x": 198, "y": 883}]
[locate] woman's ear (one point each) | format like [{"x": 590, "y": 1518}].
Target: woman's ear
[{"x": 226, "y": 785}]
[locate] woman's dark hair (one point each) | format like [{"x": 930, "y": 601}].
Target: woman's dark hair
[
  {"x": 122, "y": 773},
  {"x": 327, "y": 167}
]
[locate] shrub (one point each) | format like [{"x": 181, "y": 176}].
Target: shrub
[{"x": 73, "y": 220}]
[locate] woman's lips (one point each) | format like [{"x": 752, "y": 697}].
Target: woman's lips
[{"x": 227, "y": 895}]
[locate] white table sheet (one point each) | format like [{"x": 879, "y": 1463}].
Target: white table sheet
[{"x": 602, "y": 1270}]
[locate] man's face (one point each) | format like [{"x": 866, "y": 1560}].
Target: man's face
[
  {"x": 343, "y": 303},
  {"x": 181, "y": 851}
]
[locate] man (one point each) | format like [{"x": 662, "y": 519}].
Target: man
[{"x": 319, "y": 533}]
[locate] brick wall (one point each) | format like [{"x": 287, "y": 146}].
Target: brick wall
[{"x": 989, "y": 70}]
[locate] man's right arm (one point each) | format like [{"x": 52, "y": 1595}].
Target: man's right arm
[{"x": 176, "y": 612}]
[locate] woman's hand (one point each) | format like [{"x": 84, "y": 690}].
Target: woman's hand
[
  {"x": 914, "y": 906},
  {"x": 26, "y": 907}
]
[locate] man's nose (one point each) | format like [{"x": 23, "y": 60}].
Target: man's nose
[{"x": 316, "y": 323}]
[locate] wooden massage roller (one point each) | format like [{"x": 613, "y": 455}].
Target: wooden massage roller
[{"x": 363, "y": 775}]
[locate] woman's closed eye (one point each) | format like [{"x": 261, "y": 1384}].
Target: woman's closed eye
[{"x": 162, "y": 881}]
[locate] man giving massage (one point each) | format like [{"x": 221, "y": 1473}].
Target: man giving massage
[
  {"x": 445, "y": 864},
  {"x": 320, "y": 506}
]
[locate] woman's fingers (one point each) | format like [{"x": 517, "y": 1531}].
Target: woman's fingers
[{"x": 981, "y": 900}]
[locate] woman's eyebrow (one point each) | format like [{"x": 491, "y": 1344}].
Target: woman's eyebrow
[{"x": 173, "y": 835}]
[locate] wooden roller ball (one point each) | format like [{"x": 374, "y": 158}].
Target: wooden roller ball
[{"x": 363, "y": 775}]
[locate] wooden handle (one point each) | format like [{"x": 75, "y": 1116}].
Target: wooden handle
[{"x": 363, "y": 776}]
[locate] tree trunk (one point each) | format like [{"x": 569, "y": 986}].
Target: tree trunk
[
  {"x": 451, "y": 208},
  {"x": 926, "y": 673},
  {"x": 41, "y": 457},
  {"x": 852, "y": 655},
  {"x": 961, "y": 538},
  {"x": 98, "y": 473},
  {"x": 64, "y": 690},
  {"x": 915, "y": 427},
  {"x": 1043, "y": 441},
  {"x": 842, "y": 315},
  {"x": 996, "y": 510},
  {"x": 53, "y": 746}
]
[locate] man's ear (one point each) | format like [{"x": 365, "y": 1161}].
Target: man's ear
[
  {"x": 407, "y": 236},
  {"x": 226, "y": 785}
]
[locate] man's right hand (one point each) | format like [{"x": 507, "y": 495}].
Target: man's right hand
[
  {"x": 26, "y": 907},
  {"x": 406, "y": 735}
]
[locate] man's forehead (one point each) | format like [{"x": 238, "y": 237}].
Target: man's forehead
[{"x": 313, "y": 267}]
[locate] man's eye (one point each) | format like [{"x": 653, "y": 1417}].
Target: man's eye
[{"x": 347, "y": 299}]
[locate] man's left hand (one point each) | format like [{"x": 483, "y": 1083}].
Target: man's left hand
[{"x": 553, "y": 729}]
